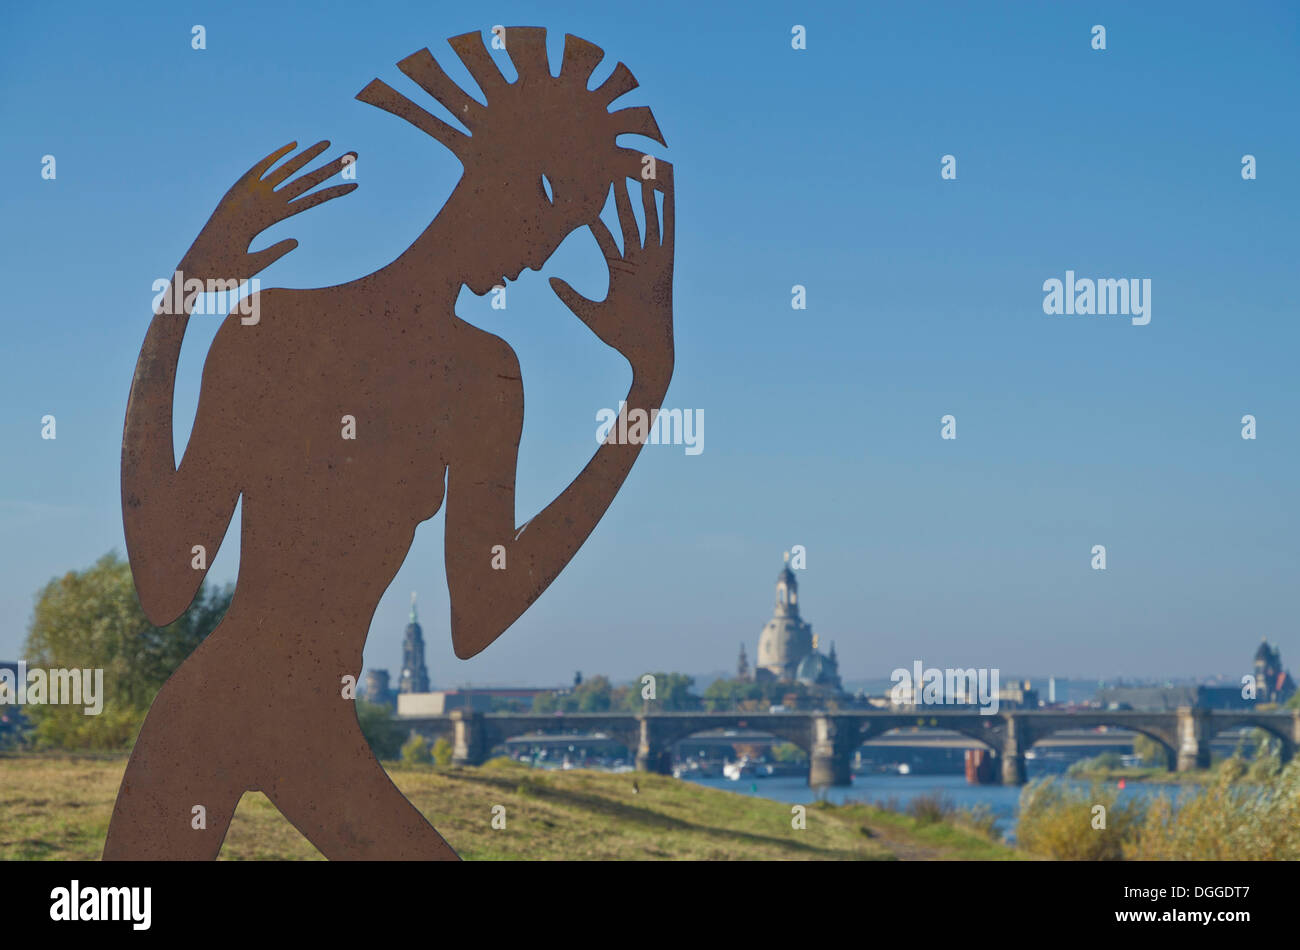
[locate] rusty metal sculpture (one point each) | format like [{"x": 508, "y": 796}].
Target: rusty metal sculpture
[{"x": 336, "y": 416}]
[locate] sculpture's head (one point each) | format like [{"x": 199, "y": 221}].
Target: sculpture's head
[{"x": 541, "y": 154}]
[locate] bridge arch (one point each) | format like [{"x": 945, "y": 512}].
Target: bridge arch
[
  {"x": 1164, "y": 738},
  {"x": 992, "y": 736},
  {"x": 1286, "y": 744},
  {"x": 795, "y": 735}
]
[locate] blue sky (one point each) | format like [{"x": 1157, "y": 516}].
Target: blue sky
[{"x": 817, "y": 167}]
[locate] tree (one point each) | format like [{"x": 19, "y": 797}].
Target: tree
[
  {"x": 1149, "y": 751},
  {"x": 92, "y": 620},
  {"x": 593, "y": 695},
  {"x": 383, "y": 735},
  {"x": 788, "y": 752},
  {"x": 415, "y": 750},
  {"x": 442, "y": 752}
]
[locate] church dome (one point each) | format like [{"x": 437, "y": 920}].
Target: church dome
[{"x": 787, "y": 638}]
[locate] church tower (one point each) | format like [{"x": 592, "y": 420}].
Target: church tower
[
  {"x": 786, "y": 639},
  {"x": 415, "y": 678}
]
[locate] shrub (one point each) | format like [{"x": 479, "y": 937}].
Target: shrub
[
  {"x": 1228, "y": 820},
  {"x": 415, "y": 750},
  {"x": 929, "y": 808},
  {"x": 1232, "y": 769},
  {"x": 1098, "y": 763},
  {"x": 1056, "y": 821},
  {"x": 442, "y": 753},
  {"x": 1264, "y": 769}
]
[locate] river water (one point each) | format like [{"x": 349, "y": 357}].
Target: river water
[{"x": 896, "y": 791}]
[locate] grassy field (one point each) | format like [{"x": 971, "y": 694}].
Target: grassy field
[{"x": 57, "y": 808}]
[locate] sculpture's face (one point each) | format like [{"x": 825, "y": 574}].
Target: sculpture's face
[{"x": 532, "y": 192}]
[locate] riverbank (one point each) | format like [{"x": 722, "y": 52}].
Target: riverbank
[{"x": 56, "y": 807}]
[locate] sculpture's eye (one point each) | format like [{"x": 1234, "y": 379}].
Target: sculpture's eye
[{"x": 547, "y": 190}]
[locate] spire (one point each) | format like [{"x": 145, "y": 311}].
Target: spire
[{"x": 415, "y": 675}]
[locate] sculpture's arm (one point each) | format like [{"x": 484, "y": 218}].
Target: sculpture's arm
[
  {"x": 167, "y": 511},
  {"x": 636, "y": 319}
]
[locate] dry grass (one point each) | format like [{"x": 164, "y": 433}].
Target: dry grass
[{"x": 57, "y": 808}]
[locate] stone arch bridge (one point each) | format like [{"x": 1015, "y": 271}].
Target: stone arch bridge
[{"x": 830, "y": 738}]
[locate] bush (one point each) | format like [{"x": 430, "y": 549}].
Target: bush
[
  {"x": 381, "y": 732},
  {"x": 978, "y": 818},
  {"x": 442, "y": 753},
  {"x": 415, "y": 751},
  {"x": 788, "y": 752},
  {"x": 1232, "y": 769},
  {"x": 1056, "y": 821},
  {"x": 1149, "y": 752},
  {"x": 1105, "y": 762},
  {"x": 1264, "y": 769},
  {"x": 1227, "y": 821},
  {"x": 929, "y": 808}
]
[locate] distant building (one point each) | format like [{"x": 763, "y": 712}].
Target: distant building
[
  {"x": 1273, "y": 684},
  {"x": 1169, "y": 698},
  {"x": 1018, "y": 694},
  {"x": 474, "y": 699},
  {"x": 377, "y": 690},
  {"x": 415, "y": 678},
  {"x": 787, "y": 649},
  {"x": 442, "y": 701}
]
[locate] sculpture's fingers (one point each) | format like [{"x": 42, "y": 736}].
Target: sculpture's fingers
[
  {"x": 258, "y": 170},
  {"x": 579, "y": 304},
  {"x": 651, "y": 209},
  {"x": 626, "y": 219},
  {"x": 312, "y": 200},
  {"x": 605, "y": 240},
  {"x": 307, "y": 182},
  {"x": 295, "y": 163}
]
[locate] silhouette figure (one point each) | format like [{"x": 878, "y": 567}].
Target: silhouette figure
[{"x": 327, "y": 519}]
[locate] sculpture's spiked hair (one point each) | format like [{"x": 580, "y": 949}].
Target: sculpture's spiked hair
[{"x": 535, "y": 94}]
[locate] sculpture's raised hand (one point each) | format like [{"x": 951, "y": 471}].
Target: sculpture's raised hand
[
  {"x": 636, "y": 316},
  {"x": 252, "y": 205}
]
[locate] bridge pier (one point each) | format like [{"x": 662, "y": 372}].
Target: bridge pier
[
  {"x": 830, "y": 762},
  {"x": 653, "y": 753},
  {"x": 1013, "y": 755},
  {"x": 1193, "y": 739},
  {"x": 468, "y": 745}
]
